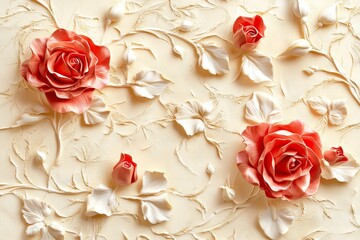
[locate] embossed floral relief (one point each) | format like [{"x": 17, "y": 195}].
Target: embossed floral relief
[{"x": 168, "y": 83}]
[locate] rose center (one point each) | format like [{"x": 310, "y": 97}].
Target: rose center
[
  {"x": 126, "y": 164},
  {"x": 293, "y": 163},
  {"x": 339, "y": 152},
  {"x": 250, "y": 31},
  {"x": 75, "y": 63}
]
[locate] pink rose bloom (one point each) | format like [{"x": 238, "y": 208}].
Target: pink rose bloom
[
  {"x": 282, "y": 159},
  {"x": 248, "y": 32},
  {"x": 68, "y": 68},
  {"x": 124, "y": 172},
  {"x": 335, "y": 155}
]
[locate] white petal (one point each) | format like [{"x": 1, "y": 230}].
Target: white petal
[
  {"x": 257, "y": 67},
  {"x": 149, "y": 84},
  {"x": 213, "y": 59},
  {"x": 186, "y": 25},
  {"x": 40, "y": 156},
  {"x": 191, "y": 116},
  {"x": 319, "y": 104},
  {"x": 156, "y": 209},
  {"x": 228, "y": 194},
  {"x": 337, "y": 111},
  {"x": 45, "y": 234},
  {"x": 263, "y": 108},
  {"x": 35, "y": 211},
  {"x": 342, "y": 171},
  {"x": 328, "y": 16},
  {"x": 56, "y": 231},
  {"x": 101, "y": 201},
  {"x": 129, "y": 56},
  {"x": 300, "y": 8},
  {"x": 210, "y": 169},
  {"x": 179, "y": 50},
  {"x": 276, "y": 222},
  {"x": 34, "y": 229},
  {"x": 117, "y": 11},
  {"x": 96, "y": 113},
  {"x": 153, "y": 183},
  {"x": 298, "y": 48}
]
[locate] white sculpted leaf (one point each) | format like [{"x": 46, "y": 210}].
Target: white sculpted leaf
[
  {"x": 38, "y": 113},
  {"x": 156, "y": 209},
  {"x": 128, "y": 56},
  {"x": 35, "y": 211},
  {"x": 96, "y": 113},
  {"x": 298, "y": 48},
  {"x": 319, "y": 104},
  {"x": 213, "y": 59},
  {"x": 34, "y": 228},
  {"x": 257, "y": 67},
  {"x": 337, "y": 111},
  {"x": 341, "y": 171},
  {"x": 263, "y": 108},
  {"x": 153, "y": 183},
  {"x": 101, "y": 201},
  {"x": 191, "y": 116},
  {"x": 54, "y": 231},
  {"x": 149, "y": 84},
  {"x": 276, "y": 222},
  {"x": 179, "y": 50}
]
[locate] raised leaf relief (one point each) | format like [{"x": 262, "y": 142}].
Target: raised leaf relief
[
  {"x": 128, "y": 56},
  {"x": 149, "y": 84},
  {"x": 35, "y": 213},
  {"x": 299, "y": 47},
  {"x": 263, "y": 108},
  {"x": 37, "y": 114},
  {"x": 153, "y": 183},
  {"x": 191, "y": 116},
  {"x": 257, "y": 67},
  {"x": 56, "y": 231},
  {"x": 156, "y": 209},
  {"x": 179, "y": 50},
  {"x": 153, "y": 196},
  {"x": 96, "y": 113},
  {"x": 102, "y": 200},
  {"x": 336, "y": 110},
  {"x": 341, "y": 171},
  {"x": 213, "y": 59},
  {"x": 276, "y": 222}
]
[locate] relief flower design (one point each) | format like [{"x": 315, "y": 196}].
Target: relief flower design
[
  {"x": 282, "y": 159},
  {"x": 67, "y": 67},
  {"x": 124, "y": 172},
  {"x": 248, "y": 32},
  {"x": 339, "y": 165}
]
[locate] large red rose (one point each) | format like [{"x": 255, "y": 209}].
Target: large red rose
[
  {"x": 248, "y": 32},
  {"x": 68, "y": 68},
  {"x": 283, "y": 160}
]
